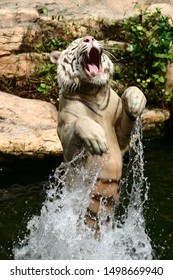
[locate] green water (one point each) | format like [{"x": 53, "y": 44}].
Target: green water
[
  {"x": 159, "y": 170},
  {"x": 22, "y": 195}
]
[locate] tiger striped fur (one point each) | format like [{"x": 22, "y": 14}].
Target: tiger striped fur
[{"x": 93, "y": 116}]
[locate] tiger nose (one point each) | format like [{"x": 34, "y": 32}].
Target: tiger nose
[{"x": 88, "y": 39}]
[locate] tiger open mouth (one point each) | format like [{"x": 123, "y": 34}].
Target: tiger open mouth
[{"x": 92, "y": 62}]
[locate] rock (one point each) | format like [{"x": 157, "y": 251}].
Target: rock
[
  {"x": 20, "y": 16},
  {"x": 28, "y": 128},
  {"x": 76, "y": 8},
  {"x": 154, "y": 116},
  {"x": 11, "y": 40},
  {"x": 23, "y": 64},
  {"x": 153, "y": 121},
  {"x": 169, "y": 75},
  {"x": 165, "y": 8}
]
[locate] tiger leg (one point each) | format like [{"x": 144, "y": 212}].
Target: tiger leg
[{"x": 106, "y": 193}]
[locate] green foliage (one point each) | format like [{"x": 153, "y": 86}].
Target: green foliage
[
  {"x": 149, "y": 36},
  {"x": 47, "y": 74},
  {"x": 48, "y": 79},
  {"x": 49, "y": 41},
  {"x": 49, "y": 37},
  {"x": 45, "y": 79},
  {"x": 50, "y": 44}
]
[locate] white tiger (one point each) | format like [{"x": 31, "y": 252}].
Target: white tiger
[{"x": 93, "y": 116}]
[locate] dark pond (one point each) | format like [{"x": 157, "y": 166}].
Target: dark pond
[{"x": 22, "y": 195}]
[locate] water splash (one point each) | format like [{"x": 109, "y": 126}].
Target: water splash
[{"x": 59, "y": 232}]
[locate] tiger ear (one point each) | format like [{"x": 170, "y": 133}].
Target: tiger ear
[{"x": 54, "y": 56}]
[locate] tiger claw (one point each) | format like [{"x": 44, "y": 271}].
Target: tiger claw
[{"x": 97, "y": 147}]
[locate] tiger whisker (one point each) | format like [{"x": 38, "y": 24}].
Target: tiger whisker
[{"x": 109, "y": 54}]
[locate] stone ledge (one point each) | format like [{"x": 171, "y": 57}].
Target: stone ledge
[
  {"x": 153, "y": 121},
  {"x": 22, "y": 65},
  {"x": 28, "y": 128}
]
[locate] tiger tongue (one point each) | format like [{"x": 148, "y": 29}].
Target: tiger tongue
[{"x": 93, "y": 69}]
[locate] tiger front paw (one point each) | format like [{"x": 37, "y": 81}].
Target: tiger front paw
[
  {"x": 92, "y": 135},
  {"x": 134, "y": 102}
]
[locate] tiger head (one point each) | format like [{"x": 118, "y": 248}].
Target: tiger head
[{"x": 83, "y": 62}]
